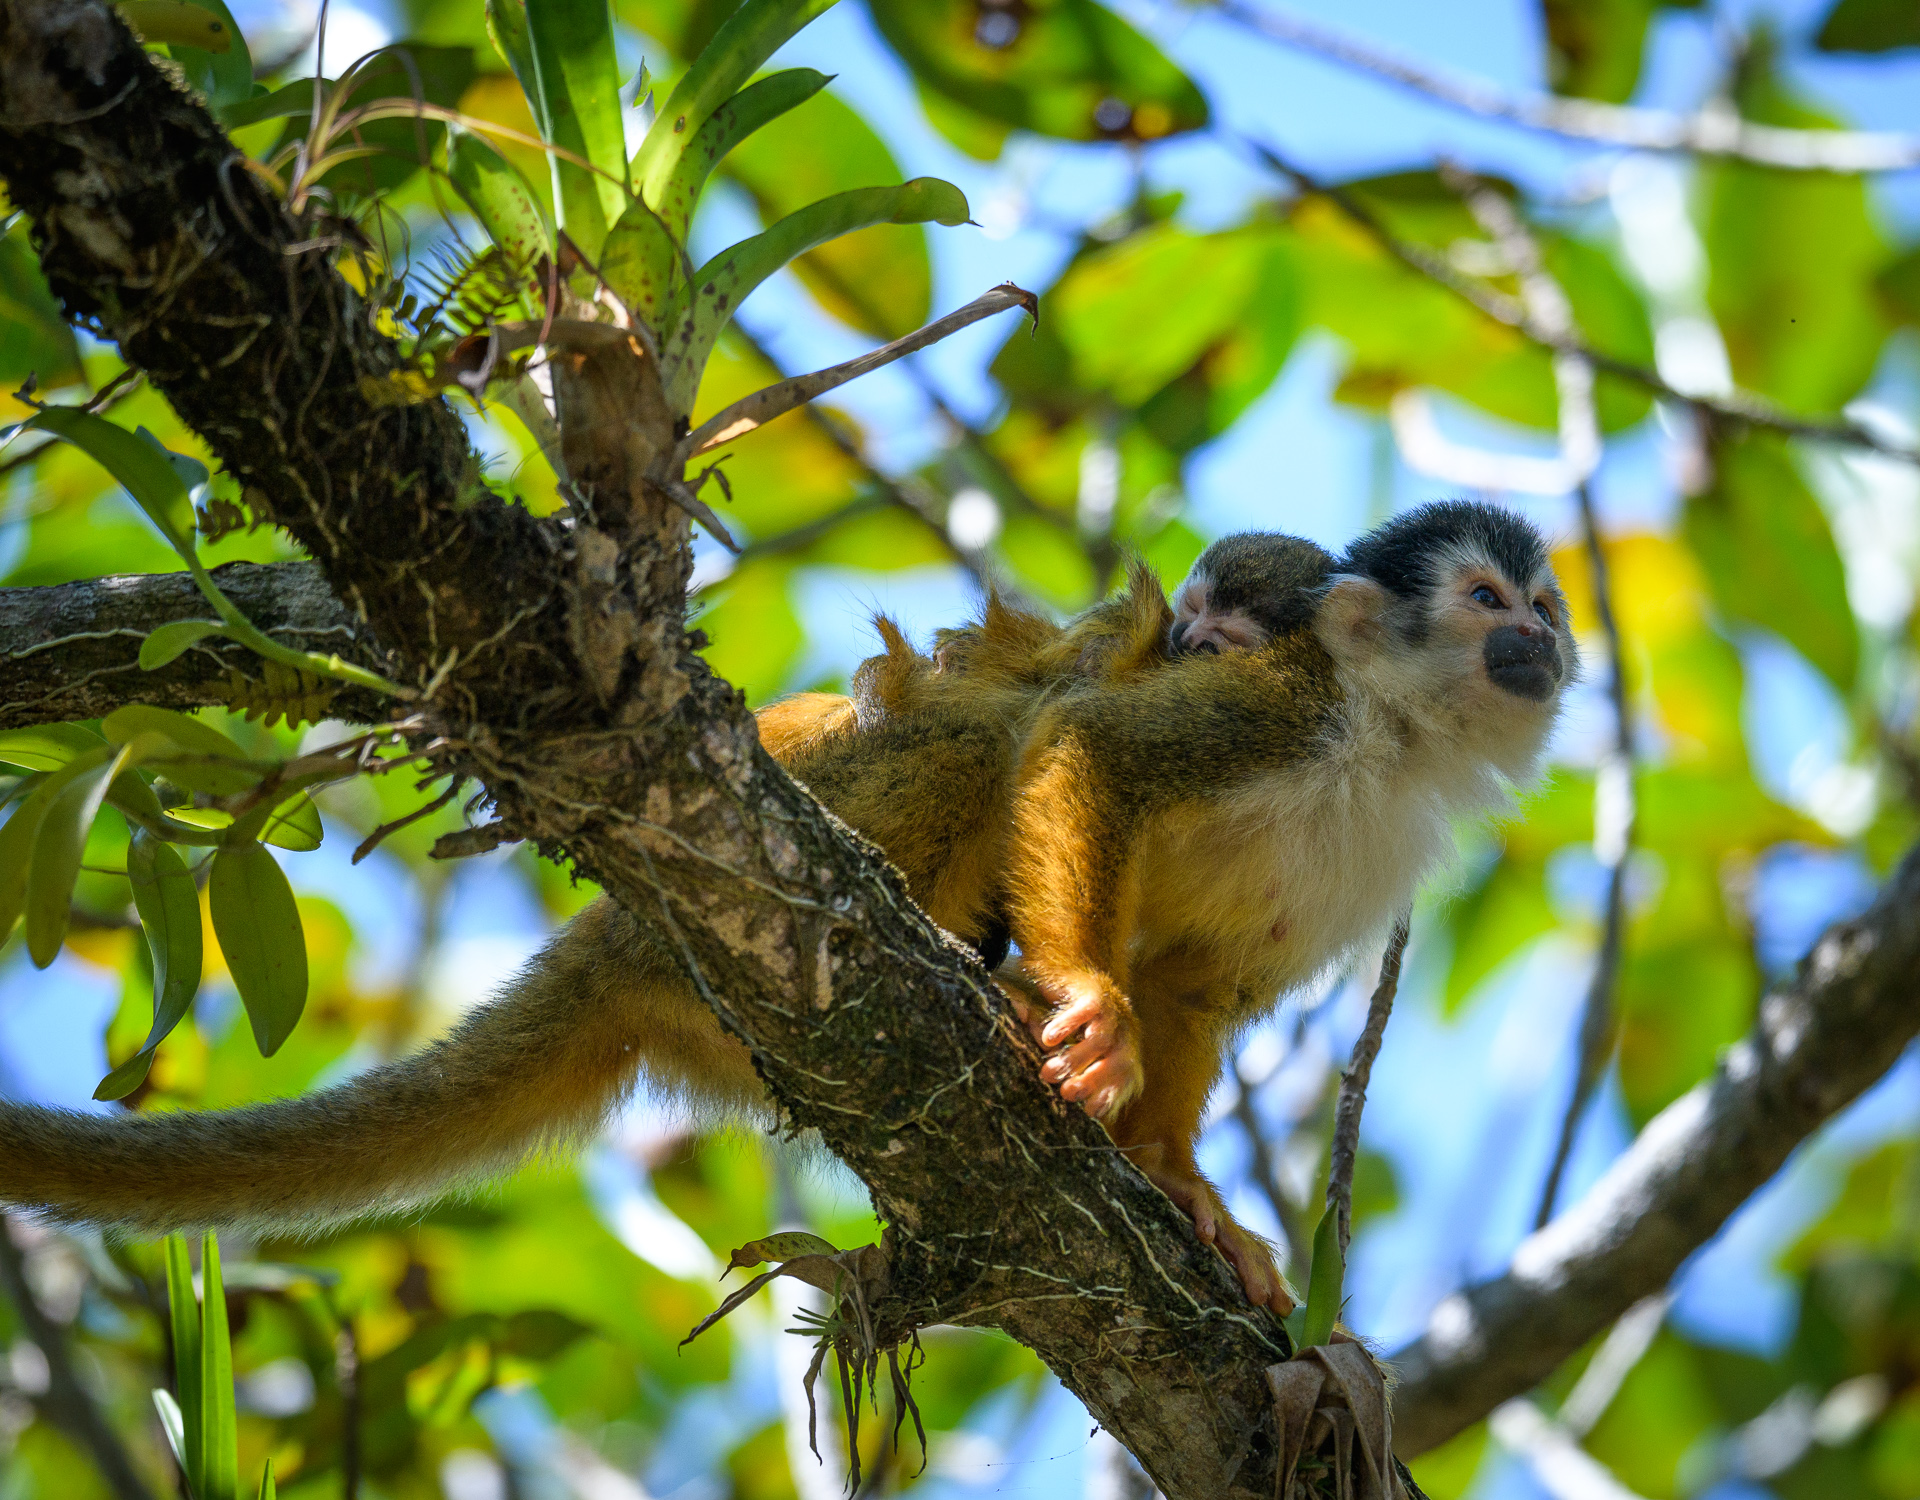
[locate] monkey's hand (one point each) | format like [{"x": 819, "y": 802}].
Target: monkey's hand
[
  {"x": 1100, "y": 1071},
  {"x": 1249, "y": 1255}
]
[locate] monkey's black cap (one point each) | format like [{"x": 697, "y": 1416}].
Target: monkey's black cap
[
  {"x": 1403, "y": 556},
  {"x": 1272, "y": 578}
]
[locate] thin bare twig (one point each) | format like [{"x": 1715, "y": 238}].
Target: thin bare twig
[
  {"x": 776, "y": 400},
  {"x": 1545, "y": 302},
  {"x": 1715, "y": 131},
  {"x": 379, "y": 835},
  {"x": 1742, "y": 408},
  {"x": 1613, "y": 823},
  {"x": 66, "y": 1402},
  {"x": 1353, "y": 1083},
  {"x": 1265, "y": 1172}
]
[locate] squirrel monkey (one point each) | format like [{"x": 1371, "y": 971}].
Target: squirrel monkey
[
  {"x": 1192, "y": 843},
  {"x": 1175, "y": 835}
]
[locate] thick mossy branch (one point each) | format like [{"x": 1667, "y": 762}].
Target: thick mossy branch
[
  {"x": 152, "y": 229},
  {"x": 71, "y": 650}
]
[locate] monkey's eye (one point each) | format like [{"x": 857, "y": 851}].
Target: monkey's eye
[
  {"x": 1545, "y": 614},
  {"x": 1483, "y": 594}
]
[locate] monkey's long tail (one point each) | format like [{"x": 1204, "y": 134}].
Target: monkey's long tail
[{"x": 541, "y": 1065}]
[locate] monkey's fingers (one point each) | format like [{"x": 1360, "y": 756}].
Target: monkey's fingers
[
  {"x": 1104, "y": 1084},
  {"x": 1090, "y": 1013}
]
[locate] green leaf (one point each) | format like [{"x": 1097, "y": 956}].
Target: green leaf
[
  {"x": 1594, "y": 46},
  {"x": 136, "y": 463},
  {"x": 168, "y": 902},
  {"x": 289, "y": 101},
  {"x": 294, "y": 824},
  {"x": 1493, "y": 924},
  {"x": 202, "y": 767},
  {"x": 1869, "y": 26},
  {"x": 46, "y": 747},
  {"x": 16, "y": 846},
  {"x": 1323, "y": 1283},
  {"x": 729, "y": 126},
  {"x": 396, "y": 148},
  {"x": 880, "y": 280},
  {"x": 172, "y": 1424},
  {"x": 643, "y": 256},
  {"x": 1066, "y": 68},
  {"x": 499, "y": 197},
  {"x": 57, "y": 850},
  {"x": 258, "y": 925},
  {"x": 184, "y": 1314},
  {"x": 165, "y": 642},
  {"x": 751, "y": 35},
  {"x": 1792, "y": 258},
  {"x": 171, "y": 23},
  {"x": 723, "y": 282},
  {"x": 225, "y": 74},
  {"x": 642, "y": 263},
  {"x": 268, "y": 1491},
  {"x": 1770, "y": 557},
  {"x": 507, "y": 30},
  {"x": 579, "y": 83},
  {"x": 34, "y": 336},
  {"x": 219, "y": 1429}
]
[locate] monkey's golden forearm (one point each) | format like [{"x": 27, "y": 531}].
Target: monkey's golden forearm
[{"x": 542, "y": 1064}]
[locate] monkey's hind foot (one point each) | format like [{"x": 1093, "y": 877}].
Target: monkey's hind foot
[
  {"x": 1249, "y": 1255},
  {"x": 1101, "y": 1071}
]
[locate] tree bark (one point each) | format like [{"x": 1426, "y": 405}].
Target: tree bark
[
  {"x": 71, "y": 651},
  {"x": 1817, "y": 1044}
]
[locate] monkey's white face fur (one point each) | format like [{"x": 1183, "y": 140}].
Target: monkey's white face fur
[{"x": 1476, "y": 668}]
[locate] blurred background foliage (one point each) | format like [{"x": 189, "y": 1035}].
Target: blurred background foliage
[{"x": 1218, "y": 351}]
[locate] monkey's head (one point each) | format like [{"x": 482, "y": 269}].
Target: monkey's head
[
  {"x": 1244, "y": 590},
  {"x": 1455, "y": 603}
]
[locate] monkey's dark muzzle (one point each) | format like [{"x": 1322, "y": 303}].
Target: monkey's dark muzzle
[{"x": 1524, "y": 663}]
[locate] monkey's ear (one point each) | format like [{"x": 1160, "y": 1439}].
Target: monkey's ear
[{"x": 1352, "y": 619}]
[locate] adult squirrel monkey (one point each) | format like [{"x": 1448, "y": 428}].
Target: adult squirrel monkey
[{"x": 1178, "y": 817}]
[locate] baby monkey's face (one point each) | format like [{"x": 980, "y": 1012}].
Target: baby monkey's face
[{"x": 1244, "y": 590}]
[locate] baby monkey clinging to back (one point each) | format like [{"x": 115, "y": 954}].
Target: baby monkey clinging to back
[{"x": 1176, "y": 837}]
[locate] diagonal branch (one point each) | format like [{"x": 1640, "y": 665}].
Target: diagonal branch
[
  {"x": 756, "y": 410},
  {"x": 1818, "y": 1043},
  {"x": 1353, "y": 1084},
  {"x": 1715, "y": 131}
]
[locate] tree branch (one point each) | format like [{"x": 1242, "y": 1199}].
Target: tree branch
[
  {"x": 756, "y": 410},
  {"x": 1715, "y": 131},
  {"x": 1818, "y": 1043},
  {"x": 1345, "y": 1150},
  {"x": 72, "y": 648}
]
